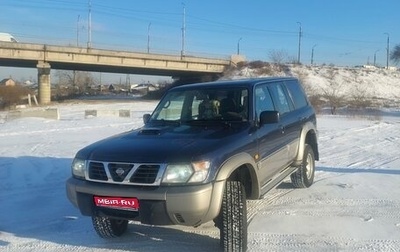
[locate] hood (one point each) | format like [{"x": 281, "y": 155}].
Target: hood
[{"x": 161, "y": 144}]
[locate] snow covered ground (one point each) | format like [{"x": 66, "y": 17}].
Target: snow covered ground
[{"x": 353, "y": 205}]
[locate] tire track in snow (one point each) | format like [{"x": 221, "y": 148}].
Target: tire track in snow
[
  {"x": 383, "y": 146},
  {"x": 255, "y": 206},
  {"x": 359, "y": 208},
  {"x": 298, "y": 243}
]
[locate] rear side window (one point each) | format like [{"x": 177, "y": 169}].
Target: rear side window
[
  {"x": 297, "y": 94},
  {"x": 281, "y": 101}
]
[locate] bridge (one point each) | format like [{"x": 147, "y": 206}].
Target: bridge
[{"x": 47, "y": 57}]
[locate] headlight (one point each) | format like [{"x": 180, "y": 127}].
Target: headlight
[
  {"x": 78, "y": 168},
  {"x": 186, "y": 173},
  {"x": 200, "y": 171}
]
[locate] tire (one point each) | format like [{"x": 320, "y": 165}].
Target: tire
[
  {"x": 108, "y": 228},
  {"x": 233, "y": 217},
  {"x": 304, "y": 176}
]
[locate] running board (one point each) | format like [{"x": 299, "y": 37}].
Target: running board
[{"x": 277, "y": 179}]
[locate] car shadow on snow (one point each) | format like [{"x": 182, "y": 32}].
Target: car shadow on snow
[
  {"x": 287, "y": 184},
  {"x": 359, "y": 170},
  {"x": 3, "y": 243},
  {"x": 34, "y": 209},
  {"x": 158, "y": 238},
  {"x": 142, "y": 238}
]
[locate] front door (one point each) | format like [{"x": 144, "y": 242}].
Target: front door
[{"x": 272, "y": 147}]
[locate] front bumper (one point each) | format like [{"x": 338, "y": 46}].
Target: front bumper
[{"x": 164, "y": 205}]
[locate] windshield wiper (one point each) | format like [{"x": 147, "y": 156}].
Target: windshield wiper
[
  {"x": 163, "y": 122},
  {"x": 208, "y": 122}
]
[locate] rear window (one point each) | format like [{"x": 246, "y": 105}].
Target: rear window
[{"x": 297, "y": 94}]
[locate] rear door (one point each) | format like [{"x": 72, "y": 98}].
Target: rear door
[{"x": 271, "y": 144}]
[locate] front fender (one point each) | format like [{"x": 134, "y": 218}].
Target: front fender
[{"x": 239, "y": 160}]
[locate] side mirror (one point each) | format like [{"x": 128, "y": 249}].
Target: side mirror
[
  {"x": 146, "y": 118},
  {"x": 269, "y": 117}
]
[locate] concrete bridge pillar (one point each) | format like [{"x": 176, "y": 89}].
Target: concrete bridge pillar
[{"x": 44, "y": 82}]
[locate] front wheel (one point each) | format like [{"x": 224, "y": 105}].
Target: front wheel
[
  {"x": 233, "y": 216},
  {"x": 108, "y": 228},
  {"x": 304, "y": 176}
]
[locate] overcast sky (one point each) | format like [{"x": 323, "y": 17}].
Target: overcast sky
[{"x": 342, "y": 32}]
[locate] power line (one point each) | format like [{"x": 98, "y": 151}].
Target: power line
[{"x": 202, "y": 32}]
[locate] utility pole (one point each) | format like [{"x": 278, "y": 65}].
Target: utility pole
[
  {"x": 300, "y": 34},
  {"x": 77, "y": 31},
  {"x": 148, "y": 38},
  {"x": 128, "y": 82},
  {"x": 238, "y": 46},
  {"x": 77, "y": 45},
  {"x": 183, "y": 30},
  {"x": 387, "y": 50},
  {"x": 312, "y": 54},
  {"x": 375, "y": 57},
  {"x": 89, "y": 44}
]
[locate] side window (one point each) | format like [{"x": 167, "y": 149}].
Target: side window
[
  {"x": 297, "y": 94},
  {"x": 280, "y": 98},
  {"x": 263, "y": 100},
  {"x": 171, "y": 109}
]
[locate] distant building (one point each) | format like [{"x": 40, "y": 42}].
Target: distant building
[
  {"x": 111, "y": 87},
  {"x": 369, "y": 67},
  {"x": 7, "y": 82}
]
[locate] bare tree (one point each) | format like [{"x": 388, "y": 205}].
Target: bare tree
[
  {"x": 12, "y": 95},
  {"x": 395, "y": 54},
  {"x": 333, "y": 90},
  {"x": 359, "y": 92},
  {"x": 277, "y": 56},
  {"x": 79, "y": 81}
]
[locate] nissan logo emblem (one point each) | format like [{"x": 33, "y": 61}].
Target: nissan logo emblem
[{"x": 120, "y": 171}]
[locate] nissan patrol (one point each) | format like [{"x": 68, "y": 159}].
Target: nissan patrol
[{"x": 204, "y": 151}]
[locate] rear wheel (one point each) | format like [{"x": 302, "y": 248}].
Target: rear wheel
[
  {"x": 107, "y": 227},
  {"x": 233, "y": 218},
  {"x": 304, "y": 176}
]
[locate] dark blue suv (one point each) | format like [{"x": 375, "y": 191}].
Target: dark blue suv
[{"x": 204, "y": 150}]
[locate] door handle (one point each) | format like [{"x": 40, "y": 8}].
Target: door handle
[{"x": 282, "y": 128}]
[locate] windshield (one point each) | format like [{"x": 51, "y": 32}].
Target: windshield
[{"x": 203, "y": 105}]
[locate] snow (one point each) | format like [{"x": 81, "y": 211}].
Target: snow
[
  {"x": 380, "y": 86},
  {"x": 352, "y": 206}
]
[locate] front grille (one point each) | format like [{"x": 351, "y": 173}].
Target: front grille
[
  {"x": 97, "y": 171},
  {"x": 145, "y": 174},
  {"x": 125, "y": 173}
]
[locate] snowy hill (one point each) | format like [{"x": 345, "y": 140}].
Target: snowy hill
[{"x": 380, "y": 87}]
